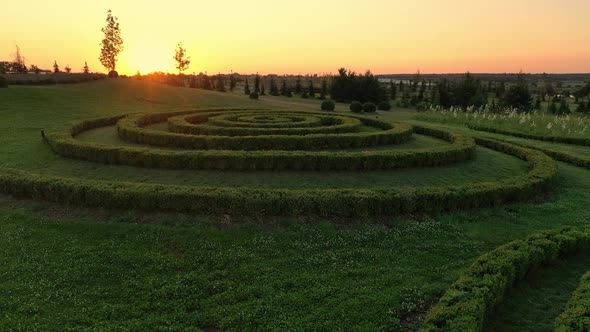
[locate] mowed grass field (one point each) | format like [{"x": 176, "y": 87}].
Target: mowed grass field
[{"x": 89, "y": 269}]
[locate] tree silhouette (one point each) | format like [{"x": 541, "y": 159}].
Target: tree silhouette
[
  {"x": 257, "y": 83},
  {"x": 247, "y": 87},
  {"x": 111, "y": 45},
  {"x": 55, "y": 67},
  {"x": 19, "y": 62},
  {"x": 68, "y": 69},
  {"x": 86, "y": 70},
  {"x": 182, "y": 61},
  {"x": 232, "y": 82}
]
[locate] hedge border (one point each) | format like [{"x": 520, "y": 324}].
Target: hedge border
[
  {"x": 557, "y": 139},
  {"x": 198, "y": 125},
  {"x": 131, "y": 129},
  {"x": 321, "y": 202},
  {"x": 469, "y": 301},
  {"x": 234, "y": 121},
  {"x": 63, "y": 142},
  {"x": 576, "y": 317}
]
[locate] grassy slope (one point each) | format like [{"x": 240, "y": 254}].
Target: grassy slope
[{"x": 285, "y": 274}]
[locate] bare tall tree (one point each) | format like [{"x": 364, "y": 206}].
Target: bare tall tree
[
  {"x": 112, "y": 44},
  {"x": 19, "y": 61},
  {"x": 182, "y": 61}
]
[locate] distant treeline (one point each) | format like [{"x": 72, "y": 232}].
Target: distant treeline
[
  {"x": 503, "y": 77},
  {"x": 51, "y": 78}
]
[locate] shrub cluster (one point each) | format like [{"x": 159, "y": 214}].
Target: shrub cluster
[
  {"x": 328, "y": 105},
  {"x": 384, "y": 106},
  {"x": 356, "y": 107},
  {"x": 369, "y": 107},
  {"x": 469, "y": 301},
  {"x": 131, "y": 129},
  {"x": 577, "y": 314},
  {"x": 254, "y": 95}
]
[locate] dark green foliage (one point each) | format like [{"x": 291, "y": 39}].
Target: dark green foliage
[
  {"x": 558, "y": 139},
  {"x": 518, "y": 95},
  {"x": 257, "y": 83},
  {"x": 392, "y": 90},
  {"x": 254, "y": 95},
  {"x": 328, "y": 105},
  {"x": 384, "y": 106},
  {"x": 464, "y": 92},
  {"x": 581, "y": 107},
  {"x": 470, "y": 300},
  {"x": 577, "y": 314},
  {"x": 324, "y": 90},
  {"x": 552, "y": 107},
  {"x": 3, "y": 82},
  {"x": 564, "y": 108},
  {"x": 311, "y": 89},
  {"x": 298, "y": 87},
  {"x": 538, "y": 104},
  {"x": 232, "y": 82},
  {"x": 220, "y": 86},
  {"x": 262, "y": 90},
  {"x": 304, "y": 95},
  {"x": 356, "y": 107},
  {"x": 246, "y": 87},
  {"x": 347, "y": 86},
  {"x": 284, "y": 89},
  {"x": 369, "y": 107},
  {"x": 274, "y": 89}
]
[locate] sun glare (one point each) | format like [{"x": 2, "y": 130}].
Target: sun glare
[{"x": 147, "y": 56}]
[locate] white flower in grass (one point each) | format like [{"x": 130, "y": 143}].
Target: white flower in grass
[{"x": 549, "y": 125}]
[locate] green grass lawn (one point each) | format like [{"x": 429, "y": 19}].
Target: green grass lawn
[{"x": 89, "y": 269}]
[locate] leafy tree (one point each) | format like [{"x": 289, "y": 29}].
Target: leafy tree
[
  {"x": 257, "y": 83},
  {"x": 247, "y": 87},
  {"x": 232, "y": 82},
  {"x": 298, "y": 87},
  {"x": 86, "y": 70},
  {"x": 324, "y": 90},
  {"x": 262, "y": 90},
  {"x": 274, "y": 89},
  {"x": 518, "y": 95},
  {"x": 392, "y": 90},
  {"x": 35, "y": 68},
  {"x": 311, "y": 89},
  {"x": 537, "y": 103},
  {"x": 464, "y": 92},
  {"x": 111, "y": 45},
  {"x": 182, "y": 61},
  {"x": 564, "y": 108},
  {"x": 68, "y": 69},
  {"x": 552, "y": 107},
  {"x": 284, "y": 90},
  {"x": 220, "y": 83},
  {"x": 55, "y": 67},
  {"x": 347, "y": 85}
]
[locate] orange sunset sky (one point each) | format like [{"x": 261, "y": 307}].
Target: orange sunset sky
[{"x": 308, "y": 36}]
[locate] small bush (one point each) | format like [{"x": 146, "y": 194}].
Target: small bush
[
  {"x": 3, "y": 83},
  {"x": 113, "y": 74},
  {"x": 328, "y": 105},
  {"x": 384, "y": 106},
  {"x": 369, "y": 107},
  {"x": 254, "y": 95},
  {"x": 356, "y": 107}
]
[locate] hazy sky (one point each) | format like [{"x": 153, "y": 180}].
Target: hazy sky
[{"x": 309, "y": 36}]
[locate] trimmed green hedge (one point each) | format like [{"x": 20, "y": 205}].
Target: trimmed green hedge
[
  {"x": 577, "y": 314},
  {"x": 253, "y": 121},
  {"x": 557, "y": 139},
  {"x": 322, "y": 202},
  {"x": 63, "y": 143},
  {"x": 198, "y": 125},
  {"x": 469, "y": 301},
  {"x": 132, "y": 129}
]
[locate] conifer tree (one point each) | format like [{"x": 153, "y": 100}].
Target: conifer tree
[{"x": 247, "y": 87}]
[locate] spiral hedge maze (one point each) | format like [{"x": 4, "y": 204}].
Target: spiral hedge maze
[
  {"x": 249, "y": 140},
  {"x": 470, "y": 301}
]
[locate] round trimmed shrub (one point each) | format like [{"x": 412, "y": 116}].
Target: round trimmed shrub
[
  {"x": 356, "y": 107},
  {"x": 3, "y": 82},
  {"x": 369, "y": 107},
  {"x": 113, "y": 74},
  {"x": 384, "y": 106},
  {"x": 328, "y": 105},
  {"x": 254, "y": 95}
]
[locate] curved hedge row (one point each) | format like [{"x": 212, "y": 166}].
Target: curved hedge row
[
  {"x": 557, "y": 139},
  {"x": 323, "y": 202},
  {"x": 63, "y": 143},
  {"x": 577, "y": 314},
  {"x": 199, "y": 125},
  {"x": 230, "y": 120},
  {"x": 469, "y": 301},
  {"x": 131, "y": 129}
]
